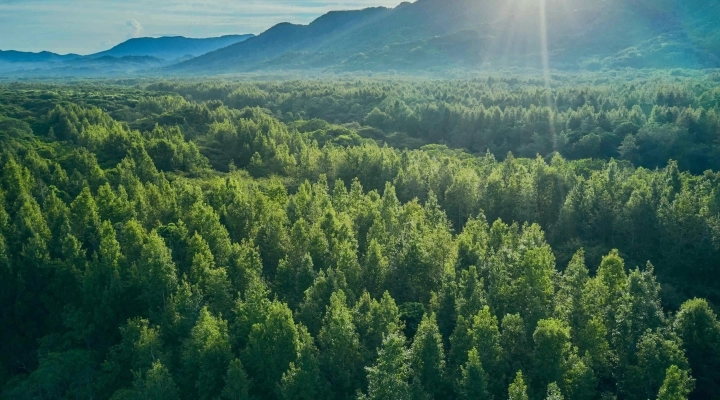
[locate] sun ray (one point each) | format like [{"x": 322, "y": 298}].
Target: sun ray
[{"x": 546, "y": 60}]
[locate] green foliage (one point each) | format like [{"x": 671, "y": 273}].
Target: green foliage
[
  {"x": 136, "y": 262},
  {"x": 474, "y": 379},
  {"x": 272, "y": 345},
  {"x": 697, "y": 326},
  {"x": 676, "y": 386},
  {"x": 428, "y": 357},
  {"x": 518, "y": 389},
  {"x": 340, "y": 354},
  {"x": 388, "y": 378},
  {"x": 155, "y": 384},
  {"x": 304, "y": 380},
  {"x": 237, "y": 382},
  {"x": 553, "y": 392},
  {"x": 552, "y": 345},
  {"x": 206, "y": 356}
]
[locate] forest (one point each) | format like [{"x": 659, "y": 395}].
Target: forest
[{"x": 500, "y": 237}]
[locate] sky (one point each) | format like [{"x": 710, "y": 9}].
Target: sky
[{"x": 88, "y": 26}]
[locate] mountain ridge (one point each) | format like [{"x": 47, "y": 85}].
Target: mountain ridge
[
  {"x": 435, "y": 36},
  {"x": 170, "y": 47},
  {"x": 129, "y": 57},
  {"x": 587, "y": 35},
  {"x": 27, "y": 56}
]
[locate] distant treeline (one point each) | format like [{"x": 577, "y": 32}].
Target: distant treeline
[{"x": 643, "y": 120}]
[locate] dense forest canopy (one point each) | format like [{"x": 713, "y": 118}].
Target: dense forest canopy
[{"x": 485, "y": 238}]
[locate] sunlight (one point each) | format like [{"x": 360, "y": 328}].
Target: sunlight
[{"x": 546, "y": 60}]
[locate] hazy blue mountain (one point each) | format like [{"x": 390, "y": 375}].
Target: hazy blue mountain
[
  {"x": 84, "y": 67},
  {"x": 171, "y": 47},
  {"x": 130, "y": 57},
  {"x": 439, "y": 34},
  {"x": 12, "y": 56}
]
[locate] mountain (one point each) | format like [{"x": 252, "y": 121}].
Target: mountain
[
  {"x": 171, "y": 47},
  {"x": 134, "y": 56},
  {"x": 12, "y": 56},
  {"x": 441, "y": 34},
  {"x": 84, "y": 67}
]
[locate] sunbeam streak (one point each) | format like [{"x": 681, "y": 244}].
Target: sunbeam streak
[{"x": 546, "y": 60}]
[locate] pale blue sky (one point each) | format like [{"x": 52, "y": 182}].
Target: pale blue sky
[{"x": 87, "y": 26}]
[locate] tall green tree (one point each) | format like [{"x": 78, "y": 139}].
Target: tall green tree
[
  {"x": 552, "y": 345},
  {"x": 554, "y": 393},
  {"x": 304, "y": 380},
  {"x": 206, "y": 356},
  {"x": 388, "y": 378},
  {"x": 157, "y": 273},
  {"x": 697, "y": 325},
  {"x": 156, "y": 384},
  {"x": 518, "y": 389},
  {"x": 237, "y": 382},
  {"x": 272, "y": 345},
  {"x": 341, "y": 360},
  {"x": 474, "y": 381},
  {"x": 428, "y": 358},
  {"x": 677, "y": 385}
]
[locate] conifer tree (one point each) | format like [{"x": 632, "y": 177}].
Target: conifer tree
[
  {"x": 341, "y": 360},
  {"x": 388, "y": 378},
  {"x": 237, "y": 383},
  {"x": 474, "y": 383},
  {"x": 428, "y": 358},
  {"x": 156, "y": 384},
  {"x": 518, "y": 389}
]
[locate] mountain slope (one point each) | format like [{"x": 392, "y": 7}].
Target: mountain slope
[
  {"x": 170, "y": 48},
  {"x": 491, "y": 33},
  {"x": 286, "y": 37}
]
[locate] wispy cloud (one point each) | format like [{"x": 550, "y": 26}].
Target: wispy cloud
[
  {"x": 85, "y": 26},
  {"x": 136, "y": 28}
]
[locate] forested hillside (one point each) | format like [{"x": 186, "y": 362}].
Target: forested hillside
[
  {"x": 361, "y": 239},
  {"x": 440, "y": 35}
]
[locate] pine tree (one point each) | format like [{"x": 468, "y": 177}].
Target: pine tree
[
  {"x": 156, "y": 384},
  {"x": 237, "y": 383},
  {"x": 304, "y": 380},
  {"x": 157, "y": 273},
  {"x": 514, "y": 343},
  {"x": 388, "y": 378},
  {"x": 428, "y": 357},
  {"x": 552, "y": 346},
  {"x": 375, "y": 320},
  {"x": 518, "y": 389},
  {"x": 206, "y": 356},
  {"x": 375, "y": 269},
  {"x": 474, "y": 383},
  {"x": 486, "y": 340},
  {"x": 86, "y": 221},
  {"x": 568, "y": 300},
  {"x": 553, "y": 392},
  {"x": 272, "y": 345},
  {"x": 340, "y": 353},
  {"x": 612, "y": 273},
  {"x": 102, "y": 286}
]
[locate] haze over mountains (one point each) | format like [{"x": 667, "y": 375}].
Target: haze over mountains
[
  {"x": 436, "y": 35},
  {"x": 131, "y": 56},
  {"x": 171, "y": 47},
  {"x": 431, "y": 34}
]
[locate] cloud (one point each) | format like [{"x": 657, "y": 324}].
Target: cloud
[{"x": 135, "y": 27}]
